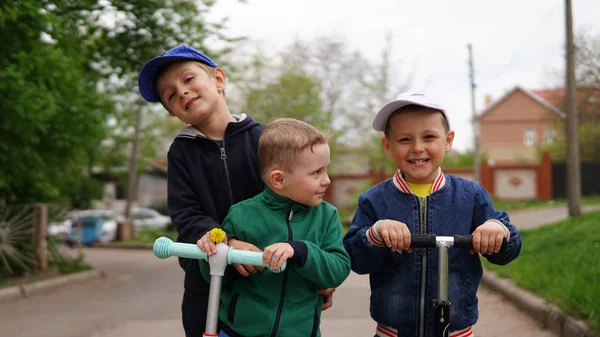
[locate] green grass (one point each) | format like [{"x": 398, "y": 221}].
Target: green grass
[
  {"x": 506, "y": 205},
  {"x": 146, "y": 235},
  {"x": 561, "y": 263}
]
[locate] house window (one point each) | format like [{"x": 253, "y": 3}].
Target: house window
[
  {"x": 529, "y": 137},
  {"x": 548, "y": 136}
]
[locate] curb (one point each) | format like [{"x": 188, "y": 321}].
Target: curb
[
  {"x": 124, "y": 245},
  {"x": 26, "y": 290},
  {"x": 548, "y": 315}
]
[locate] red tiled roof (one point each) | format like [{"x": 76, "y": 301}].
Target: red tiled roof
[{"x": 556, "y": 96}]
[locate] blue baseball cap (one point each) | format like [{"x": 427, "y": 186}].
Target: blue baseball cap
[{"x": 152, "y": 68}]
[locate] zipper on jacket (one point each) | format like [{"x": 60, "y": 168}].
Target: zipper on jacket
[
  {"x": 285, "y": 278},
  {"x": 228, "y": 181},
  {"x": 423, "y": 251}
]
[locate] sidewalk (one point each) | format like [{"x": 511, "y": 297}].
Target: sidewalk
[{"x": 533, "y": 218}]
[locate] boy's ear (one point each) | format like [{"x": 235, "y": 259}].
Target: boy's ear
[
  {"x": 220, "y": 79},
  {"x": 276, "y": 179},
  {"x": 387, "y": 146},
  {"x": 449, "y": 140}
]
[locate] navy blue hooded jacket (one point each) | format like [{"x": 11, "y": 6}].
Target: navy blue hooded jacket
[{"x": 201, "y": 175}]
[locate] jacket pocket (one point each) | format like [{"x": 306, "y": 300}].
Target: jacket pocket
[
  {"x": 231, "y": 308},
  {"x": 316, "y": 323},
  {"x": 469, "y": 303}
]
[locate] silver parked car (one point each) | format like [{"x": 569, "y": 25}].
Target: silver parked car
[{"x": 149, "y": 218}]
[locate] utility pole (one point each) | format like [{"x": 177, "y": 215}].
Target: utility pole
[
  {"x": 476, "y": 169},
  {"x": 573, "y": 160}
]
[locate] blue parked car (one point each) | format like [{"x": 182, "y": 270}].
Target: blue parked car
[
  {"x": 87, "y": 229},
  {"x": 90, "y": 226}
]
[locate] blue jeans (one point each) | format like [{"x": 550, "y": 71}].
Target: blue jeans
[{"x": 223, "y": 334}]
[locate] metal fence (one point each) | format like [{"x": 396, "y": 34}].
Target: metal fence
[{"x": 590, "y": 179}]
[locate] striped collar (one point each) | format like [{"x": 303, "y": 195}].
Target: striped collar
[{"x": 402, "y": 185}]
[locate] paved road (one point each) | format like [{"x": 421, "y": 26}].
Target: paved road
[
  {"x": 139, "y": 290},
  {"x": 140, "y": 296},
  {"x": 350, "y": 314}
]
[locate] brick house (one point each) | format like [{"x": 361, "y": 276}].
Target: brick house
[{"x": 512, "y": 127}]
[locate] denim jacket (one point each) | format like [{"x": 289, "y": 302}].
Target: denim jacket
[{"x": 403, "y": 285}]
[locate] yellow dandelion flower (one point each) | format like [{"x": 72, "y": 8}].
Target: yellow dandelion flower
[{"x": 217, "y": 235}]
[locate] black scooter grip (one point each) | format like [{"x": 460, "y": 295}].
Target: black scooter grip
[
  {"x": 422, "y": 241},
  {"x": 466, "y": 242},
  {"x": 463, "y": 241}
]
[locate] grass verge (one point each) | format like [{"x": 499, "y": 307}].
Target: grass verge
[
  {"x": 146, "y": 235},
  {"x": 57, "y": 268},
  {"x": 561, "y": 263},
  {"x": 506, "y": 205}
]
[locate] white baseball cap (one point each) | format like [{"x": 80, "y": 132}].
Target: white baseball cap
[{"x": 404, "y": 99}]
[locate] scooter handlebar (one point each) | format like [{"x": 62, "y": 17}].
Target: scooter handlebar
[
  {"x": 457, "y": 241},
  {"x": 165, "y": 248},
  {"x": 431, "y": 240}
]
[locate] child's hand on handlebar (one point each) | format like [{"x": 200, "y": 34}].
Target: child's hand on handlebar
[
  {"x": 245, "y": 269},
  {"x": 487, "y": 238},
  {"x": 394, "y": 234},
  {"x": 277, "y": 253},
  {"x": 206, "y": 245}
]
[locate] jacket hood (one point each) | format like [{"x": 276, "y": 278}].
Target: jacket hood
[{"x": 243, "y": 122}]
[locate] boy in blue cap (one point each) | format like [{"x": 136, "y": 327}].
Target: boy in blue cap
[
  {"x": 212, "y": 163},
  {"x": 421, "y": 199}
]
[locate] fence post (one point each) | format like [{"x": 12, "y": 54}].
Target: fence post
[
  {"x": 487, "y": 177},
  {"x": 544, "y": 178},
  {"x": 39, "y": 236}
]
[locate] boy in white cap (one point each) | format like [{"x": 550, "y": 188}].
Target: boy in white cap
[{"x": 421, "y": 199}]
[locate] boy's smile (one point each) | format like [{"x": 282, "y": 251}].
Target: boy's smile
[
  {"x": 419, "y": 162},
  {"x": 417, "y": 142},
  {"x": 191, "y": 102}
]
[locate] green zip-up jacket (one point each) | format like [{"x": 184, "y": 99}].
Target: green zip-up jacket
[{"x": 287, "y": 303}]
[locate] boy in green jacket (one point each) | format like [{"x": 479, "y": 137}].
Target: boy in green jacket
[{"x": 289, "y": 221}]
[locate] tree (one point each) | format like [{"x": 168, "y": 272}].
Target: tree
[
  {"x": 587, "y": 60},
  {"x": 351, "y": 88},
  {"x": 69, "y": 67},
  {"x": 293, "y": 94},
  {"x": 587, "y": 79},
  {"x": 461, "y": 159},
  {"x": 52, "y": 115}
]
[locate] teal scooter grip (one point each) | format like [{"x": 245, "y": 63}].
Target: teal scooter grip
[
  {"x": 165, "y": 248},
  {"x": 251, "y": 258}
]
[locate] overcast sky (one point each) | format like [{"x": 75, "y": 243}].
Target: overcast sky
[{"x": 515, "y": 42}]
